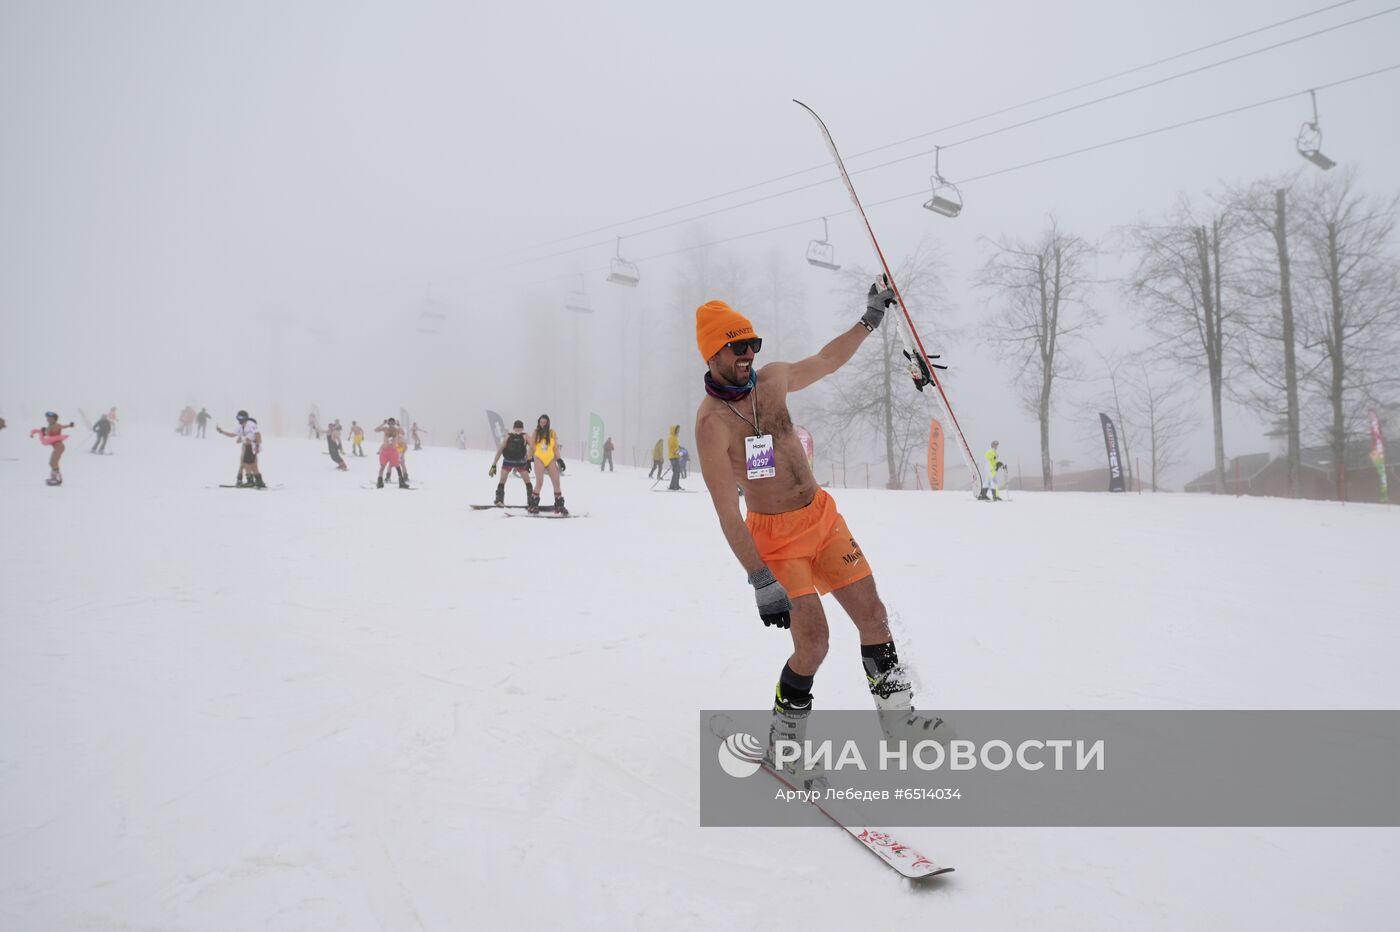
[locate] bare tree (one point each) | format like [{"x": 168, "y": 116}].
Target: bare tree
[
  {"x": 875, "y": 390},
  {"x": 1350, "y": 287},
  {"x": 1040, "y": 289},
  {"x": 1180, "y": 280},
  {"x": 1267, "y": 346},
  {"x": 1115, "y": 396},
  {"x": 782, "y": 299},
  {"x": 1163, "y": 409}
]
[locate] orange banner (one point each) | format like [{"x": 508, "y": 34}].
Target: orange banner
[{"x": 935, "y": 456}]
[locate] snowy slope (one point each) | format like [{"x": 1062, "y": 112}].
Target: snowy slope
[{"x": 327, "y": 707}]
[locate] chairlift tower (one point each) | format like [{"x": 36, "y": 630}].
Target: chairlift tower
[
  {"x": 577, "y": 303},
  {"x": 431, "y": 317}
]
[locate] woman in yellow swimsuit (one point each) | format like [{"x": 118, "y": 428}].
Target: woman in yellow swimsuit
[{"x": 547, "y": 460}]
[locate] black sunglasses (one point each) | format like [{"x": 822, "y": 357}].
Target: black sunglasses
[{"x": 740, "y": 347}]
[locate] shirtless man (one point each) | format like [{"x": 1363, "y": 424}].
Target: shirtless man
[
  {"x": 514, "y": 453},
  {"x": 794, "y": 545},
  {"x": 52, "y": 436},
  {"x": 389, "y": 451},
  {"x": 249, "y": 436},
  {"x": 357, "y": 437}
]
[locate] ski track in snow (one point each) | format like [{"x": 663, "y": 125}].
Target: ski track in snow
[{"x": 325, "y": 709}]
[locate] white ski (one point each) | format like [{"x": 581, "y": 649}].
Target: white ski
[
  {"x": 920, "y": 366},
  {"x": 906, "y": 860}
]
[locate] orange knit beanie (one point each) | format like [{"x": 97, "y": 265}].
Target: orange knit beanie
[{"x": 716, "y": 323}]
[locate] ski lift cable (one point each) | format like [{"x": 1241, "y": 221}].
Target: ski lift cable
[
  {"x": 942, "y": 129},
  {"x": 980, "y": 136},
  {"x": 1015, "y": 168}
]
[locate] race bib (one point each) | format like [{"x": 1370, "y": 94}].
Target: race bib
[{"x": 758, "y": 452}]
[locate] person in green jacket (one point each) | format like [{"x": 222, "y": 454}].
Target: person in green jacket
[
  {"x": 673, "y": 453},
  {"x": 989, "y": 481},
  {"x": 657, "y": 464}
]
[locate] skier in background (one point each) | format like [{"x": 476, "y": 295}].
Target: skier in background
[
  {"x": 357, "y": 437},
  {"x": 390, "y": 452},
  {"x": 249, "y": 437},
  {"x": 102, "y": 428},
  {"x": 313, "y": 427},
  {"x": 333, "y": 444},
  {"x": 417, "y": 437},
  {"x": 657, "y": 464},
  {"x": 685, "y": 463},
  {"x": 673, "y": 453},
  {"x": 794, "y": 545},
  {"x": 514, "y": 454},
  {"x": 990, "y": 482},
  {"x": 201, "y": 420},
  {"x": 52, "y": 436},
  {"x": 607, "y": 456},
  {"x": 548, "y": 461}
]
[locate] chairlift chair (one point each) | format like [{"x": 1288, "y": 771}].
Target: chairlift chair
[
  {"x": 946, "y": 199},
  {"x": 622, "y": 271},
  {"x": 821, "y": 253},
  {"x": 430, "y": 321},
  {"x": 1310, "y": 140},
  {"x": 578, "y": 300}
]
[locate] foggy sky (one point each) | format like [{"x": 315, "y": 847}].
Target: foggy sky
[{"x": 248, "y": 205}]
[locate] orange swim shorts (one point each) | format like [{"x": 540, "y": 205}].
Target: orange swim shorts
[{"x": 810, "y": 550}]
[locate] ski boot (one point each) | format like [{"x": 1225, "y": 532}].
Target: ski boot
[
  {"x": 984, "y": 497},
  {"x": 500, "y": 500},
  {"x": 559, "y": 508},
  {"x": 258, "y": 481},
  {"x": 239, "y": 481},
  {"x": 379, "y": 483},
  {"x": 995, "y": 496},
  {"x": 403, "y": 481},
  {"x": 55, "y": 478},
  {"x": 789, "y": 723},
  {"x": 532, "y": 503}
]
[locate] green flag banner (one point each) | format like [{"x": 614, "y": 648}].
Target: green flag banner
[{"x": 595, "y": 439}]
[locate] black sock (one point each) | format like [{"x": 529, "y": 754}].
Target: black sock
[
  {"x": 878, "y": 658},
  {"x": 794, "y": 689}
]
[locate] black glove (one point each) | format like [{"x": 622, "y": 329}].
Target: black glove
[
  {"x": 774, "y": 606},
  {"x": 492, "y": 471},
  {"x": 562, "y": 467},
  {"x": 880, "y": 297}
]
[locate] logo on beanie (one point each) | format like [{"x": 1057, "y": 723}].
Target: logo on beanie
[{"x": 731, "y": 334}]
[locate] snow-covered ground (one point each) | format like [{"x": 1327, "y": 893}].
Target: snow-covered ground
[{"x": 331, "y": 707}]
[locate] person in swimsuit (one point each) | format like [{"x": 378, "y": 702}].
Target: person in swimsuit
[
  {"x": 793, "y": 544},
  {"x": 390, "y": 456},
  {"x": 52, "y": 436},
  {"x": 548, "y": 461},
  {"x": 357, "y": 437},
  {"x": 249, "y": 436}
]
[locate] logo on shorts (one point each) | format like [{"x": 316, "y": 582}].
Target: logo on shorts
[
  {"x": 740, "y": 755},
  {"x": 855, "y": 556}
]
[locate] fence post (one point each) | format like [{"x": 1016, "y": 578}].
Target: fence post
[
  {"x": 1238, "y": 491},
  {"x": 1137, "y": 471}
]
